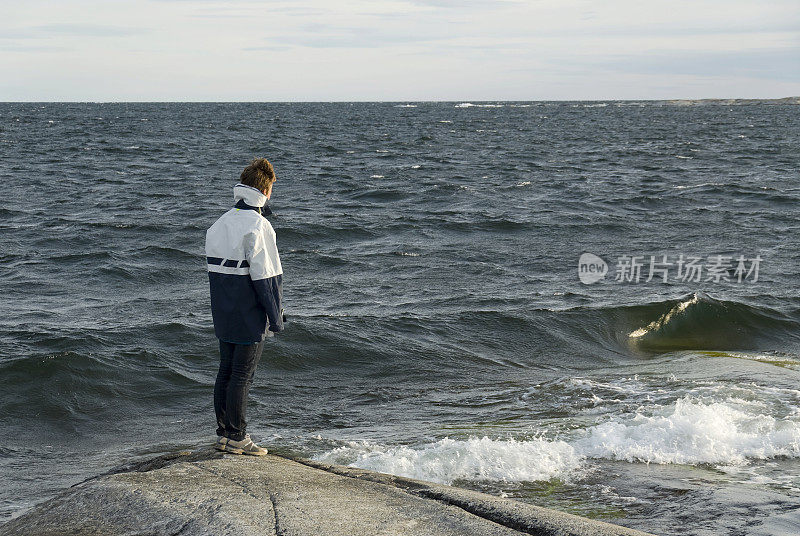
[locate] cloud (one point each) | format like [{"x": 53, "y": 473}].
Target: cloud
[
  {"x": 86, "y": 30},
  {"x": 773, "y": 64},
  {"x": 273, "y": 48},
  {"x": 357, "y": 37},
  {"x": 463, "y": 4},
  {"x": 47, "y": 31},
  {"x": 377, "y": 49},
  {"x": 13, "y": 47}
]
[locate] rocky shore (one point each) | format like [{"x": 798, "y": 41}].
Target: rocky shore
[{"x": 208, "y": 493}]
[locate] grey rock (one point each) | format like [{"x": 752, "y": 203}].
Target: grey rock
[{"x": 207, "y": 493}]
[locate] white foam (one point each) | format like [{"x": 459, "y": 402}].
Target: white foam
[
  {"x": 448, "y": 459},
  {"x": 692, "y": 430},
  {"x": 701, "y": 185},
  {"x": 376, "y": 176},
  {"x": 470, "y": 105}
]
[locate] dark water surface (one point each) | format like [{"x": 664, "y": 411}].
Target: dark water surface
[{"x": 438, "y": 327}]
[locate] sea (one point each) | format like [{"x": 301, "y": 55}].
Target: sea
[{"x": 587, "y": 306}]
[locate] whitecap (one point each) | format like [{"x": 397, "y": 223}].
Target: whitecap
[
  {"x": 470, "y": 105},
  {"x": 701, "y": 185},
  {"x": 694, "y": 431},
  {"x": 449, "y": 459},
  {"x": 376, "y": 176},
  {"x": 664, "y": 319}
]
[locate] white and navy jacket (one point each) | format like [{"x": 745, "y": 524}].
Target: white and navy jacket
[{"x": 244, "y": 270}]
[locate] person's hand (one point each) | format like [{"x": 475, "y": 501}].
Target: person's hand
[{"x": 269, "y": 334}]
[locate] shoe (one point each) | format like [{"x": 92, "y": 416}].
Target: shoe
[
  {"x": 245, "y": 446},
  {"x": 220, "y": 443}
]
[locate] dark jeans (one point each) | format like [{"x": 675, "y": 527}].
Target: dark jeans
[{"x": 237, "y": 365}]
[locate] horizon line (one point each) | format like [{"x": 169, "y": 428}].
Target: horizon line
[{"x": 434, "y": 101}]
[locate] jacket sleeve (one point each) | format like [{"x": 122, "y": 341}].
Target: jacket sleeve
[
  {"x": 261, "y": 253},
  {"x": 269, "y": 292}
]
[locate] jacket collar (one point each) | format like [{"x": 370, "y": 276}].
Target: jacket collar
[
  {"x": 264, "y": 211},
  {"x": 247, "y": 197},
  {"x": 248, "y": 194}
]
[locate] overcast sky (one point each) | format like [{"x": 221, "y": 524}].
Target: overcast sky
[{"x": 253, "y": 50}]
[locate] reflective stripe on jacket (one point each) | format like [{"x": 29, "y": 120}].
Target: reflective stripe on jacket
[{"x": 244, "y": 271}]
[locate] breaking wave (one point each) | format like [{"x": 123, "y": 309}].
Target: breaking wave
[
  {"x": 690, "y": 431},
  {"x": 699, "y": 322}
]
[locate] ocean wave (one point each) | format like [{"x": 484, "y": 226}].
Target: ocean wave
[
  {"x": 378, "y": 194},
  {"x": 694, "y": 431},
  {"x": 449, "y": 460},
  {"x": 162, "y": 252},
  {"x": 71, "y": 389},
  {"x": 767, "y": 194},
  {"x": 699, "y": 322},
  {"x": 471, "y": 105},
  {"x": 691, "y": 431},
  {"x": 695, "y": 322}
]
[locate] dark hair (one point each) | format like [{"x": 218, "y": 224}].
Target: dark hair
[{"x": 259, "y": 174}]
